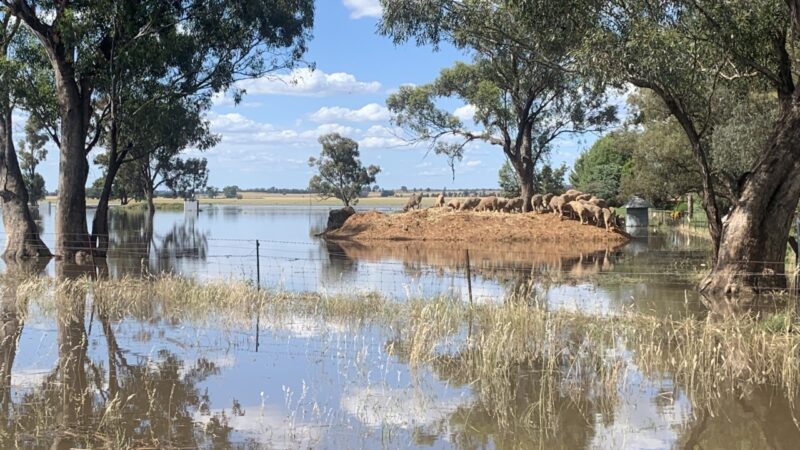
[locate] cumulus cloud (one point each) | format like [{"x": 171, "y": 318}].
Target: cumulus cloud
[
  {"x": 465, "y": 113},
  {"x": 235, "y": 128},
  {"x": 372, "y": 112},
  {"x": 304, "y": 81},
  {"x": 363, "y": 8}
]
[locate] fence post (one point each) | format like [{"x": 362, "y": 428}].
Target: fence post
[
  {"x": 469, "y": 276},
  {"x": 258, "y": 266},
  {"x": 258, "y": 289}
]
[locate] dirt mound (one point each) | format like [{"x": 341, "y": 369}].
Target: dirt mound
[{"x": 441, "y": 224}]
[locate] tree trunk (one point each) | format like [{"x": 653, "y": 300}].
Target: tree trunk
[
  {"x": 100, "y": 229},
  {"x": 752, "y": 250},
  {"x": 22, "y": 233},
  {"x": 527, "y": 190},
  {"x": 72, "y": 234},
  {"x": 151, "y": 205}
]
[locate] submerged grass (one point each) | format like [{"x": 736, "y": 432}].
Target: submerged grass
[{"x": 527, "y": 366}]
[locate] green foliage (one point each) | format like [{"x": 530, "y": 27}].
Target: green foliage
[
  {"x": 230, "y": 191},
  {"x": 598, "y": 170},
  {"x": 662, "y": 166},
  {"x": 523, "y": 97},
  {"x": 212, "y": 191},
  {"x": 340, "y": 172},
  {"x": 545, "y": 180},
  {"x": 31, "y": 151},
  {"x": 550, "y": 180},
  {"x": 187, "y": 177},
  {"x": 508, "y": 181}
]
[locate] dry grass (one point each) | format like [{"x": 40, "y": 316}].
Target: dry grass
[{"x": 523, "y": 362}]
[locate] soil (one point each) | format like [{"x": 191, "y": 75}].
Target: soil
[{"x": 442, "y": 224}]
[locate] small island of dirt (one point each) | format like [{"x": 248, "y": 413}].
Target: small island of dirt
[{"x": 442, "y": 224}]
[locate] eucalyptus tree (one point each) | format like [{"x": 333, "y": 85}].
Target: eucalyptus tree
[
  {"x": 201, "y": 46},
  {"x": 340, "y": 173},
  {"x": 32, "y": 151},
  {"x": 520, "y": 82},
  {"x": 687, "y": 52},
  {"x": 22, "y": 234}
]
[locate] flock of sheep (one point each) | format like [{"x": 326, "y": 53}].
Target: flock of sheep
[{"x": 572, "y": 204}]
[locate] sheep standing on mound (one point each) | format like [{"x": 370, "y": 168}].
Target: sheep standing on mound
[
  {"x": 469, "y": 204},
  {"x": 560, "y": 206},
  {"x": 514, "y": 205},
  {"x": 536, "y": 202},
  {"x": 454, "y": 204},
  {"x": 580, "y": 211},
  {"x": 546, "y": 201},
  {"x": 439, "y": 201},
  {"x": 413, "y": 202},
  {"x": 487, "y": 204},
  {"x": 594, "y": 213},
  {"x": 599, "y": 202},
  {"x": 610, "y": 219},
  {"x": 583, "y": 197},
  {"x": 501, "y": 203}
]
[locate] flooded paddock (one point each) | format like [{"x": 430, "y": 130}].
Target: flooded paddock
[{"x": 353, "y": 346}]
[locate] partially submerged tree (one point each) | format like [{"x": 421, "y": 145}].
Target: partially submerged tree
[
  {"x": 688, "y": 53},
  {"x": 198, "y": 46},
  {"x": 22, "y": 234},
  {"x": 340, "y": 172},
  {"x": 523, "y": 93}
]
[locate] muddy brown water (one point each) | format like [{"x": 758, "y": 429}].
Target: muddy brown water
[{"x": 330, "y": 383}]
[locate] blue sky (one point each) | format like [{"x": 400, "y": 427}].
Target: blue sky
[{"x": 268, "y": 138}]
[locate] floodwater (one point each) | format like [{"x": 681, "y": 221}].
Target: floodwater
[{"x": 310, "y": 381}]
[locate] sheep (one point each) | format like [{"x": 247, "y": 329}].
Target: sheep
[
  {"x": 439, "y": 201},
  {"x": 583, "y": 197},
  {"x": 469, "y": 204},
  {"x": 594, "y": 213},
  {"x": 536, "y": 202},
  {"x": 413, "y": 202},
  {"x": 610, "y": 219},
  {"x": 546, "y": 201},
  {"x": 501, "y": 203},
  {"x": 454, "y": 204},
  {"x": 554, "y": 204},
  {"x": 580, "y": 210},
  {"x": 560, "y": 206},
  {"x": 573, "y": 192},
  {"x": 569, "y": 197},
  {"x": 599, "y": 202},
  {"x": 487, "y": 204},
  {"x": 514, "y": 205}
]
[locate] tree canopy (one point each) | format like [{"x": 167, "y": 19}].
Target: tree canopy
[
  {"x": 518, "y": 83},
  {"x": 599, "y": 169},
  {"x": 340, "y": 172}
]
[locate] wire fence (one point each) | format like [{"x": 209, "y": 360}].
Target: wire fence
[{"x": 413, "y": 270}]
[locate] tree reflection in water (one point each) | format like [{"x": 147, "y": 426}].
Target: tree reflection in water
[
  {"x": 113, "y": 403},
  {"x": 136, "y": 249}
]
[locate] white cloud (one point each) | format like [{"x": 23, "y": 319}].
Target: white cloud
[
  {"x": 372, "y": 112},
  {"x": 305, "y": 81},
  {"x": 465, "y": 113},
  {"x": 363, "y": 8}
]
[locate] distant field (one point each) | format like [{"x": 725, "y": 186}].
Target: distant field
[{"x": 259, "y": 198}]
